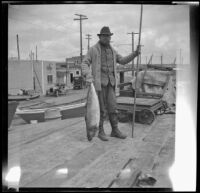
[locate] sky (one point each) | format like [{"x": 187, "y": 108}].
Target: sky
[{"x": 52, "y": 28}]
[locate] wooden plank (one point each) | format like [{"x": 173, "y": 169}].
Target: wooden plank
[
  {"x": 40, "y": 156},
  {"x": 130, "y": 93},
  {"x": 148, "y": 95},
  {"x": 127, "y": 176},
  {"x": 154, "y": 82},
  {"x": 31, "y": 142},
  {"x": 31, "y": 132},
  {"x": 145, "y": 158},
  {"x": 51, "y": 152},
  {"x": 139, "y": 101},
  {"x": 104, "y": 169},
  {"x": 160, "y": 67},
  {"x": 90, "y": 164},
  {"x": 54, "y": 179},
  {"x": 163, "y": 162}
]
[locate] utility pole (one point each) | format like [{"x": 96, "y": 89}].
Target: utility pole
[
  {"x": 180, "y": 56},
  {"x": 18, "y": 47},
  {"x": 82, "y": 17},
  {"x": 32, "y": 55},
  {"x": 132, "y": 33},
  {"x": 174, "y": 61},
  {"x": 88, "y": 38},
  {"x": 150, "y": 60},
  {"x": 36, "y": 54},
  {"x": 161, "y": 57}
]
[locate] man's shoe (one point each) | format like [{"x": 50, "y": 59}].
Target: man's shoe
[
  {"x": 114, "y": 124},
  {"x": 102, "y": 136},
  {"x": 118, "y": 134}
]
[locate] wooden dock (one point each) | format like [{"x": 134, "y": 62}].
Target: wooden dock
[{"x": 42, "y": 150}]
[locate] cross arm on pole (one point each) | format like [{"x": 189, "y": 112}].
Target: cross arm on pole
[
  {"x": 81, "y": 19},
  {"x": 80, "y": 15}
]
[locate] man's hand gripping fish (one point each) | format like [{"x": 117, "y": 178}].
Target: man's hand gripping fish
[{"x": 92, "y": 116}]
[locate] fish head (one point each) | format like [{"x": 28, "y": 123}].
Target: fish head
[
  {"x": 91, "y": 132},
  {"x": 89, "y": 137}
]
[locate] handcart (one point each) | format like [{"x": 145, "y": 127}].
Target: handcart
[{"x": 148, "y": 105}]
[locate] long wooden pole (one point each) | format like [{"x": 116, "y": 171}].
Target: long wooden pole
[
  {"x": 134, "y": 108},
  {"x": 18, "y": 47}
]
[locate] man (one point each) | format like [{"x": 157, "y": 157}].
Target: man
[{"x": 99, "y": 67}]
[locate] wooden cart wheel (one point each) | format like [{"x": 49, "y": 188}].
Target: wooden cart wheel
[{"x": 146, "y": 116}]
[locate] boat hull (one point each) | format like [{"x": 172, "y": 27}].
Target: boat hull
[
  {"x": 66, "y": 112},
  {"x": 12, "y": 106},
  {"x": 73, "y": 112},
  {"x": 22, "y": 97},
  {"x": 28, "y": 117}
]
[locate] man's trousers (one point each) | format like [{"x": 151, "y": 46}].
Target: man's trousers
[{"x": 107, "y": 100}]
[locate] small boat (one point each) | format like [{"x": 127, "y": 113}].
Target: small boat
[
  {"x": 29, "y": 115},
  {"x": 43, "y": 114},
  {"x": 12, "y": 106},
  {"x": 22, "y": 97},
  {"x": 73, "y": 111}
]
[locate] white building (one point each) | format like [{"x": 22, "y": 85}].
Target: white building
[{"x": 31, "y": 75}]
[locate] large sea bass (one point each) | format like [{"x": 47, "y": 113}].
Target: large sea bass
[{"x": 92, "y": 116}]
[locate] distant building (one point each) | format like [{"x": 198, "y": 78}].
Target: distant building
[
  {"x": 45, "y": 75},
  {"x": 33, "y": 75},
  {"x": 74, "y": 59},
  {"x": 20, "y": 75},
  {"x": 41, "y": 75},
  {"x": 66, "y": 71}
]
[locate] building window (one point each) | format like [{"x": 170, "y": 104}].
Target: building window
[
  {"x": 77, "y": 72},
  {"x": 49, "y": 79},
  {"x": 71, "y": 77}
]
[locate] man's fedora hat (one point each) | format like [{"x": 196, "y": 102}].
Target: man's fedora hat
[{"x": 105, "y": 31}]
